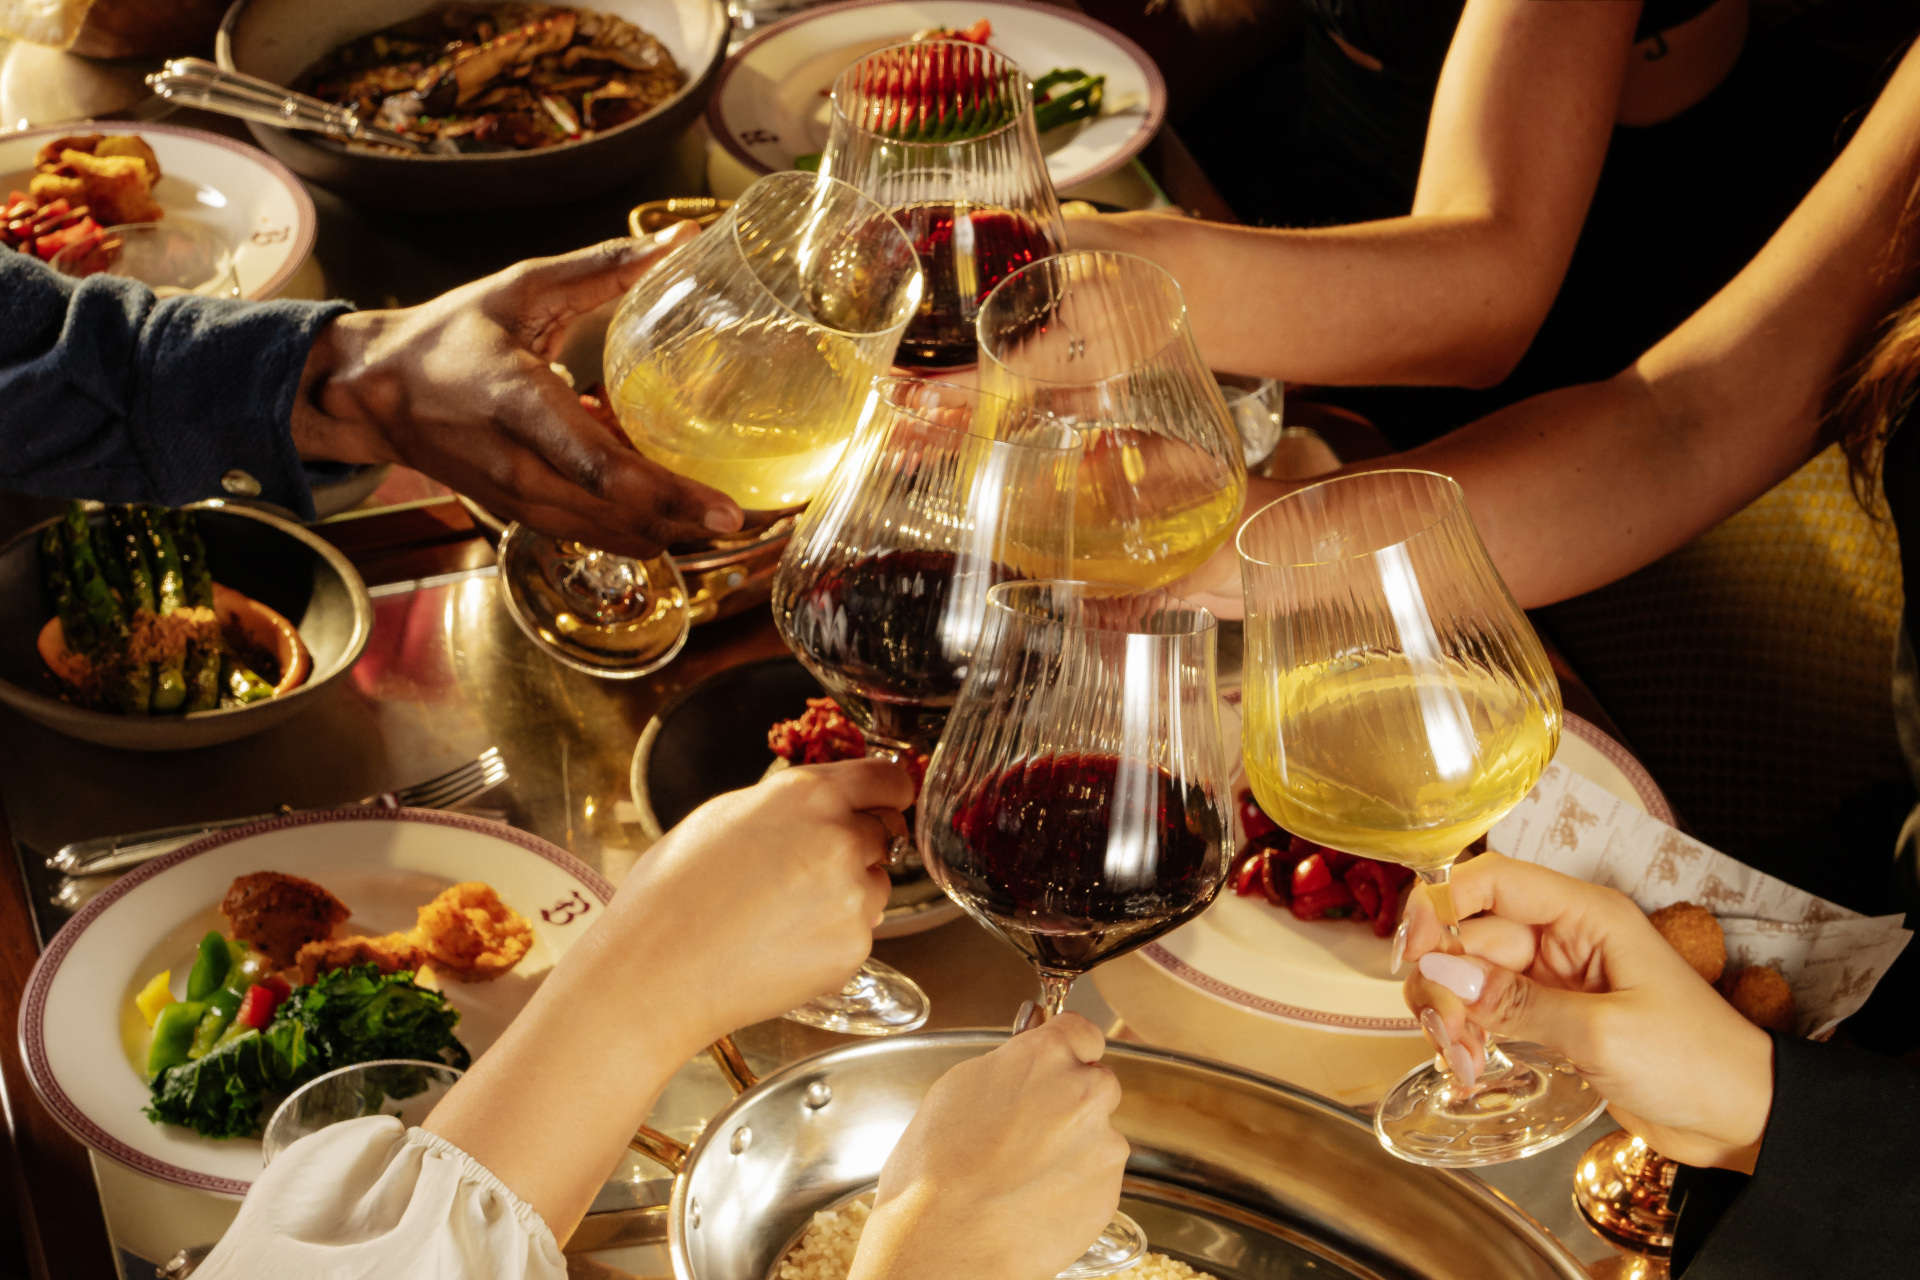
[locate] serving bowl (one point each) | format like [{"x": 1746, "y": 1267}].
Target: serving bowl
[
  {"x": 1231, "y": 1172},
  {"x": 276, "y": 562},
  {"x": 278, "y": 39}
]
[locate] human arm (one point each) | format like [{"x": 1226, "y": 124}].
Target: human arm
[
  {"x": 1453, "y": 293},
  {"x": 1825, "y": 1132},
  {"x": 1578, "y": 487},
  {"x": 1010, "y": 1167}
]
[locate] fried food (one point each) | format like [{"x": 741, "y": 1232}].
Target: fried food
[
  {"x": 116, "y": 189},
  {"x": 279, "y": 914},
  {"x": 101, "y": 144},
  {"x": 390, "y": 953},
  {"x": 472, "y": 936},
  {"x": 1693, "y": 931},
  {"x": 1763, "y": 997}
]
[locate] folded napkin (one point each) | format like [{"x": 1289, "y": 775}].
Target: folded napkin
[{"x": 1830, "y": 956}]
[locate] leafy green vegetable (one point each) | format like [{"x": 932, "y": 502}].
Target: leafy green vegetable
[{"x": 346, "y": 1016}]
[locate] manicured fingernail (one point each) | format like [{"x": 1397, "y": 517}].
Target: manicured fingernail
[
  {"x": 1436, "y": 1030},
  {"x": 1460, "y": 1062},
  {"x": 1462, "y": 977},
  {"x": 1399, "y": 949},
  {"x": 721, "y": 520},
  {"x": 1023, "y": 1020},
  {"x": 663, "y": 237}
]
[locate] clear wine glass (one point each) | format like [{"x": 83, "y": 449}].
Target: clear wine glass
[
  {"x": 741, "y": 361},
  {"x": 1077, "y": 804},
  {"x": 1398, "y": 704},
  {"x": 1100, "y": 340},
  {"x": 882, "y": 593},
  {"x": 941, "y": 132}
]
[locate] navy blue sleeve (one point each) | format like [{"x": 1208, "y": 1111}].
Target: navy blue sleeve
[
  {"x": 108, "y": 392},
  {"x": 1836, "y": 1190}
]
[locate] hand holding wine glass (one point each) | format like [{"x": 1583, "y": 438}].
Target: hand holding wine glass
[{"x": 1398, "y": 704}]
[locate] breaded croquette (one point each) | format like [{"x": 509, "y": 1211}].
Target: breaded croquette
[
  {"x": 472, "y": 936},
  {"x": 116, "y": 189},
  {"x": 279, "y": 914},
  {"x": 392, "y": 953},
  {"x": 1763, "y": 997},
  {"x": 1692, "y": 931}
]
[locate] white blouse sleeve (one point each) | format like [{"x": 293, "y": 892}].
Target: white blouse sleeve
[{"x": 367, "y": 1200}]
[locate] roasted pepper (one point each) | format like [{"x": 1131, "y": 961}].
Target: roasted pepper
[
  {"x": 257, "y": 1010},
  {"x": 155, "y": 996},
  {"x": 210, "y": 967},
  {"x": 222, "y": 1005},
  {"x": 173, "y": 1035}
]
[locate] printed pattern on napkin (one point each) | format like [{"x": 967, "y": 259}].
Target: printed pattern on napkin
[{"x": 1830, "y": 956}]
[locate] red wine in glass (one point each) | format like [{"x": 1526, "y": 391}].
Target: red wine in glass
[
  {"x": 1080, "y": 857},
  {"x": 962, "y": 256},
  {"x": 888, "y": 637}
]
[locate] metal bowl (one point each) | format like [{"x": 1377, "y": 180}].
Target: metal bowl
[
  {"x": 278, "y": 39},
  {"x": 279, "y": 563},
  {"x": 1231, "y": 1172}
]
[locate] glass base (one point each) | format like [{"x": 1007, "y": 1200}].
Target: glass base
[
  {"x": 606, "y": 615},
  {"x": 1121, "y": 1244},
  {"x": 1541, "y": 1101},
  {"x": 879, "y": 1000}
]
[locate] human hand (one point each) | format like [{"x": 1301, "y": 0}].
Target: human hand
[
  {"x": 461, "y": 389},
  {"x": 1010, "y": 1168},
  {"x": 1578, "y": 968},
  {"x": 762, "y": 899}
]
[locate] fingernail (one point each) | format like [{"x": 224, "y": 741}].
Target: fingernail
[
  {"x": 721, "y": 520},
  {"x": 1399, "y": 949},
  {"x": 662, "y": 237},
  {"x": 1023, "y": 1020},
  {"x": 1462, "y": 977},
  {"x": 1436, "y": 1030},
  {"x": 1460, "y": 1062}
]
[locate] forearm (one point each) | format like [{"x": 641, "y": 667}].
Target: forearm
[{"x": 1439, "y": 300}]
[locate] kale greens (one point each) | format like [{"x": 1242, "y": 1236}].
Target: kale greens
[{"x": 345, "y": 1016}]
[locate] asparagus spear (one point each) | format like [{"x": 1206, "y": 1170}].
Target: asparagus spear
[
  {"x": 102, "y": 607},
  {"x": 74, "y": 622},
  {"x": 124, "y": 550},
  {"x": 169, "y": 591},
  {"x": 240, "y": 683},
  {"x": 203, "y": 661}
]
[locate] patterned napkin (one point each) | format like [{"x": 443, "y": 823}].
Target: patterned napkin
[{"x": 1830, "y": 956}]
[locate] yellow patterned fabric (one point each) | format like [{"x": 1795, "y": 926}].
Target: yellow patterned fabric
[{"x": 1751, "y": 669}]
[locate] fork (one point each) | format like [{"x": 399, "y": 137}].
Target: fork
[{"x": 116, "y": 853}]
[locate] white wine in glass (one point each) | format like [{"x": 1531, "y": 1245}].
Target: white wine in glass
[{"x": 1398, "y": 704}]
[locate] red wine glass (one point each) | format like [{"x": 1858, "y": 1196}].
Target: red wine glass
[
  {"x": 941, "y": 133},
  {"x": 1077, "y": 804}
]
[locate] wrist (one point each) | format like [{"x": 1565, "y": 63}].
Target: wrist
[
  {"x": 635, "y": 961},
  {"x": 1748, "y": 1090},
  {"x": 330, "y": 421}
]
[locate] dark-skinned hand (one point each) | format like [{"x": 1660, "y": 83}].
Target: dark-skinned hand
[{"x": 460, "y": 388}]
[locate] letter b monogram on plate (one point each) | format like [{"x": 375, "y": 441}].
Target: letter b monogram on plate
[{"x": 567, "y": 910}]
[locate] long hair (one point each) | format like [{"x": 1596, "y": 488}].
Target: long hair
[{"x": 1881, "y": 389}]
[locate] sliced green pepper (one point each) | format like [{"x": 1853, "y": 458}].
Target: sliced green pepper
[
  {"x": 210, "y": 968},
  {"x": 221, "y": 1006},
  {"x": 173, "y": 1035},
  {"x": 249, "y": 966}
]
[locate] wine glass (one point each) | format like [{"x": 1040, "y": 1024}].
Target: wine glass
[
  {"x": 1077, "y": 804},
  {"x": 941, "y": 132},
  {"x": 741, "y": 361},
  {"x": 172, "y": 258},
  {"x": 882, "y": 592},
  {"x": 1100, "y": 340},
  {"x": 1398, "y": 704},
  {"x": 1255, "y": 405},
  {"x": 404, "y": 1088}
]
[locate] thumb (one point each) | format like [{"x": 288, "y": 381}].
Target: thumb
[{"x": 1507, "y": 1003}]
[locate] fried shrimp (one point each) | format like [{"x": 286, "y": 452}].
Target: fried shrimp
[{"x": 472, "y": 936}]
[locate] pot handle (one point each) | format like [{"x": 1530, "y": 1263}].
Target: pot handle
[
  {"x": 671, "y": 1152},
  {"x": 726, "y": 1054}
]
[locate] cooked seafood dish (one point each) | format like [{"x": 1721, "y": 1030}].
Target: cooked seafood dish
[{"x": 513, "y": 76}]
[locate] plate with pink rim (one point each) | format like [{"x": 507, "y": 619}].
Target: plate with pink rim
[
  {"x": 771, "y": 104},
  {"x": 1333, "y": 974},
  {"x": 81, "y": 1035}
]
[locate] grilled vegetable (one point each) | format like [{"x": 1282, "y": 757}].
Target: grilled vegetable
[
  {"x": 169, "y": 590},
  {"x": 1065, "y": 95},
  {"x": 210, "y": 966},
  {"x": 75, "y": 623},
  {"x": 203, "y": 660},
  {"x": 90, "y": 586},
  {"x": 173, "y": 1036},
  {"x": 239, "y": 683}
]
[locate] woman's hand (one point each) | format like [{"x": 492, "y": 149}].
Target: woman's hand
[
  {"x": 1579, "y": 969},
  {"x": 1010, "y": 1168},
  {"x": 461, "y": 388}
]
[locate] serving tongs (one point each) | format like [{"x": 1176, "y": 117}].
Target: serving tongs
[{"x": 195, "y": 82}]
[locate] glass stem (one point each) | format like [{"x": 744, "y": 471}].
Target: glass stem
[
  {"x": 1440, "y": 893},
  {"x": 1054, "y": 990}
]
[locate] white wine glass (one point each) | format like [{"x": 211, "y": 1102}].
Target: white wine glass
[
  {"x": 1101, "y": 341},
  {"x": 1398, "y": 704},
  {"x": 741, "y": 361}
]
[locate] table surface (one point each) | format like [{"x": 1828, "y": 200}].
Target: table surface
[{"x": 446, "y": 675}]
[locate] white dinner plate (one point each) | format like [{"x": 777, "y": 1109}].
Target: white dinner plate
[
  {"x": 240, "y": 191},
  {"x": 1332, "y": 974},
  {"x": 771, "y": 102},
  {"x": 382, "y": 863}
]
